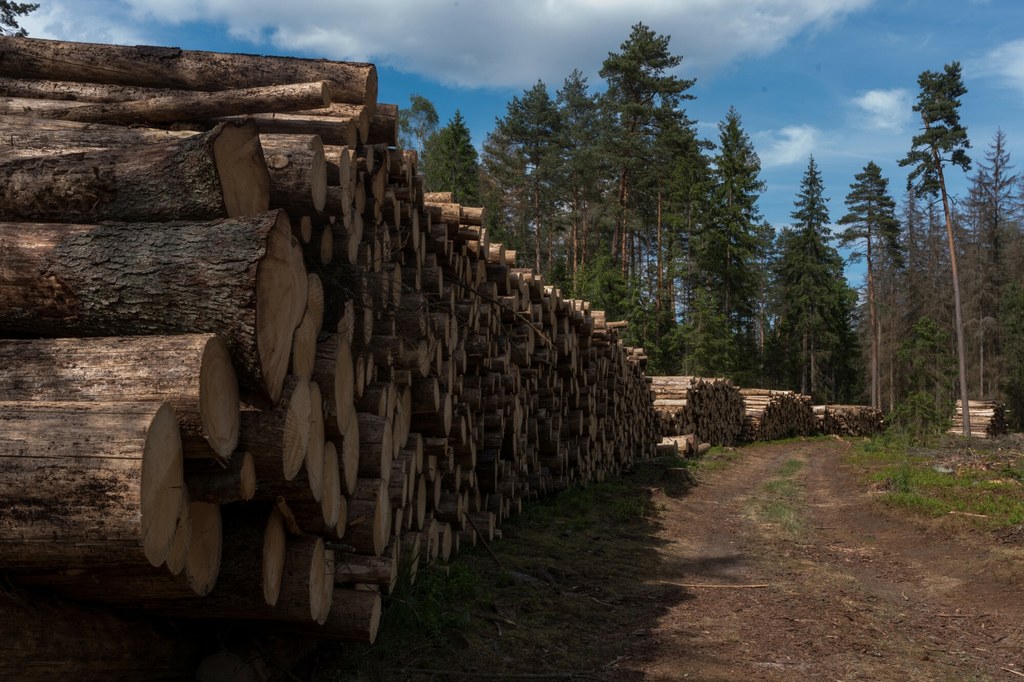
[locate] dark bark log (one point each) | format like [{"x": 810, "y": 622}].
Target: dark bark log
[
  {"x": 241, "y": 278},
  {"x": 172, "y": 67},
  {"x": 213, "y": 175},
  {"x": 192, "y": 371}
]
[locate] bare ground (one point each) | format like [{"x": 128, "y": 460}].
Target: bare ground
[
  {"x": 853, "y": 593},
  {"x": 782, "y": 565}
]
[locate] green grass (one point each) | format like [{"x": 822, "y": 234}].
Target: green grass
[
  {"x": 716, "y": 459},
  {"x": 983, "y": 483},
  {"x": 778, "y": 501}
]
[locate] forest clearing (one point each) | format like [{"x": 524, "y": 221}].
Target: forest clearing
[{"x": 280, "y": 397}]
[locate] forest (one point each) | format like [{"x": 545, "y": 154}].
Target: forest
[{"x": 610, "y": 192}]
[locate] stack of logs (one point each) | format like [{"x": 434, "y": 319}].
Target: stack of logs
[
  {"x": 772, "y": 415},
  {"x": 988, "y": 418},
  {"x": 848, "y": 420},
  {"x": 710, "y": 409},
  {"x": 250, "y": 366}
]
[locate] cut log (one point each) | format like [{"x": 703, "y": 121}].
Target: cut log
[
  {"x": 333, "y": 372},
  {"x": 172, "y": 67},
  {"x": 88, "y": 484},
  {"x": 279, "y": 437},
  {"x": 213, "y": 175},
  {"x": 242, "y": 278},
  {"x": 298, "y": 172},
  {"x": 221, "y": 482},
  {"x": 193, "y": 372},
  {"x": 30, "y": 136},
  {"x": 193, "y": 105}
]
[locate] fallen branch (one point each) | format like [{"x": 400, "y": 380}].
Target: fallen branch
[{"x": 736, "y": 587}]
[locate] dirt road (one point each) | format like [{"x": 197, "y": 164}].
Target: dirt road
[{"x": 788, "y": 570}]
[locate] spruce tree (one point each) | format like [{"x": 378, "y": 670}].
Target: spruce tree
[
  {"x": 731, "y": 240},
  {"x": 815, "y": 303},
  {"x": 871, "y": 221},
  {"x": 450, "y": 163},
  {"x": 942, "y": 142}
]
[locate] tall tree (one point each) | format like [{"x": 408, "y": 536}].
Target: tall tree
[
  {"x": 642, "y": 96},
  {"x": 9, "y": 13},
  {"x": 943, "y": 141},
  {"x": 583, "y": 167},
  {"x": 530, "y": 130},
  {"x": 417, "y": 123},
  {"x": 731, "y": 241},
  {"x": 815, "y": 303},
  {"x": 992, "y": 215},
  {"x": 450, "y": 163},
  {"x": 871, "y": 221}
]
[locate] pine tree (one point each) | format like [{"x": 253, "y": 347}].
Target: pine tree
[
  {"x": 943, "y": 141},
  {"x": 583, "y": 168},
  {"x": 9, "y": 13},
  {"x": 642, "y": 97},
  {"x": 872, "y": 222},
  {"x": 530, "y": 130},
  {"x": 450, "y": 163}
]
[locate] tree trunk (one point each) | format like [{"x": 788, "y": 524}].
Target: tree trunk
[
  {"x": 242, "y": 278},
  {"x": 193, "y": 372},
  {"x": 30, "y": 136},
  {"x": 958, "y": 315},
  {"x": 190, "y": 106},
  {"x": 88, "y": 484},
  {"x": 172, "y": 67},
  {"x": 213, "y": 175}
]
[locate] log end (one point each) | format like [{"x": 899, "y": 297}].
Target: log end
[
  {"x": 296, "y": 427},
  {"x": 218, "y": 398},
  {"x": 163, "y": 485},
  {"x": 204, "y": 553},
  {"x": 281, "y": 291},
  {"x": 242, "y": 170}
]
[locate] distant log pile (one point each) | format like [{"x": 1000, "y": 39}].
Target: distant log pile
[
  {"x": 988, "y": 418},
  {"x": 848, "y": 420},
  {"x": 773, "y": 415},
  {"x": 252, "y": 368},
  {"x": 711, "y": 409}
]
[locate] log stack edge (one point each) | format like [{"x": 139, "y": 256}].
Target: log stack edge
[{"x": 248, "y": 366}]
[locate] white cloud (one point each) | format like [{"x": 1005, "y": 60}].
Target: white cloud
[
  {"x": 470, "y": 43},
  {"x": 94, "y": 21},
  {"x": 1005, "y": 62},
  {"x": 792, "y": 144},
  {"x": 886, "y": 109}
]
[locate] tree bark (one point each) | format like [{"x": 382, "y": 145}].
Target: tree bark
[
  {"x": 190, "y": 106},
  {"x": 193, "y": 372},
  {"x": 172, "y": 67},
  {"x": 31, "y": 136},
  {"x": 88, "y": 484},
  {"x": 242, "y": 278},
  {"x": 213, "y": 175}
]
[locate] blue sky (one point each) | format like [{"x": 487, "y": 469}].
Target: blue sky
[{"x": 832, "y": 78}]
